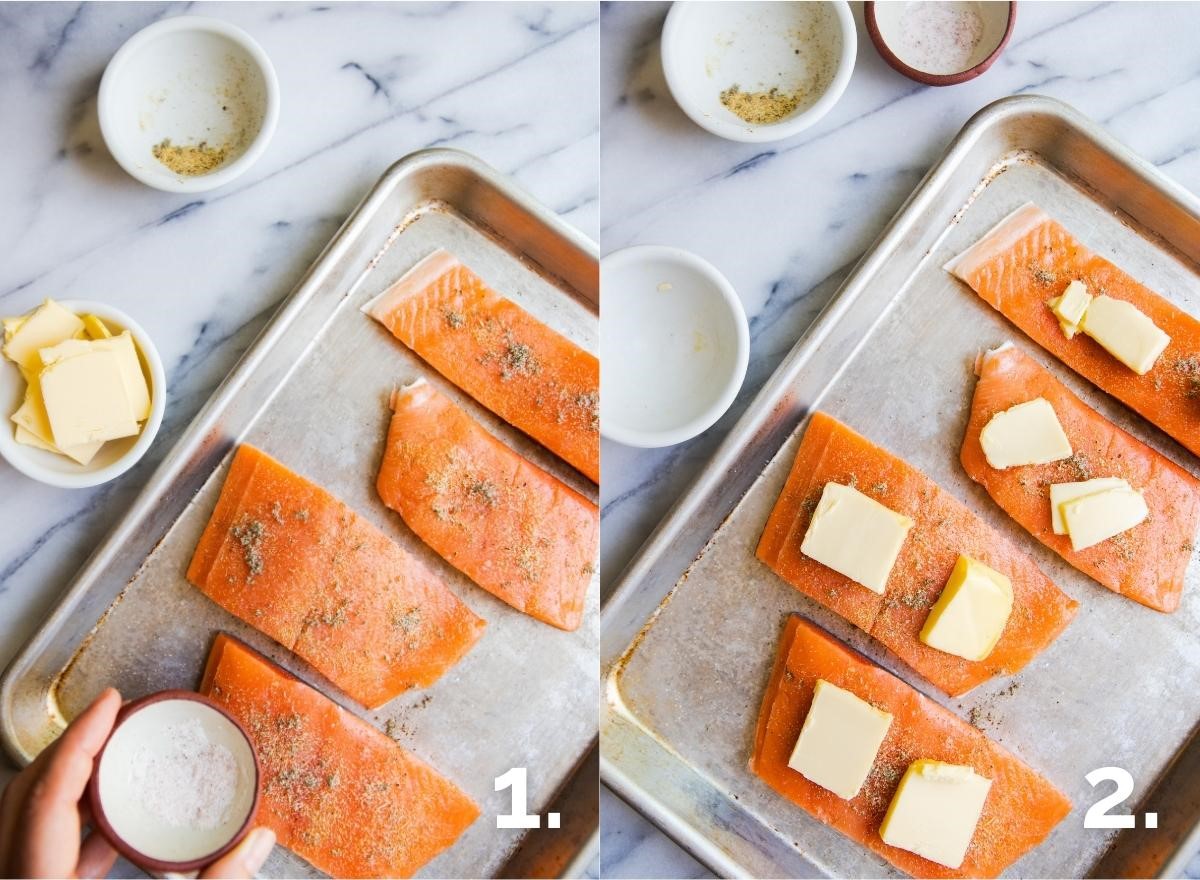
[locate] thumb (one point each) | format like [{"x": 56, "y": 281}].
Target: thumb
[{"x": 243, "y": 860}]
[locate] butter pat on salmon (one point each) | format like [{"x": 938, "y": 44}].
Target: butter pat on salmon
[
  {"x": 855, "y": 536},
  {"x": 1028, "y": 433}
]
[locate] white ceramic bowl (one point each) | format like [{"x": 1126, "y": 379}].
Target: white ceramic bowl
[
  {"x": 188, "y": 79},
  {"x": 798, "y": 47},
  {"x": 674, "y": 346},
  {"x": 116, "y": 456}
]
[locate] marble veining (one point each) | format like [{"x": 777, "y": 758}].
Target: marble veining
[
  {"x": 787, "y": 221},
  {"x": 361, "y": 86}
]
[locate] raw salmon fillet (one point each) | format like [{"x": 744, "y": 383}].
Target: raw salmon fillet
[
  {"x": 335, "y": 790},
  {"x": 300, "y": 566},
  {"x": 1029, "y": 258},
  {"x": 1146, "y": 563},
  {"x": 532, "y": 377},
  {"x": 1021, "y": 808},
  {"x": 944, "y": 528},
  {"x": 512, "y": 528}
]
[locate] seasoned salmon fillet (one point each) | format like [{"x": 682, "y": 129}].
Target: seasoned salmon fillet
[
  {"x": 943, "y": 529},
  {"x": 1029, "y": 258},
  {"x": 531, "y": 376},
  {"x": 1146, "y": 563},
  {"x": 1021, "y": 808},
  {"x": 335, "y": 791},
  {"x": 515, "y": 530},
  {"x": 300, "y": 566}
]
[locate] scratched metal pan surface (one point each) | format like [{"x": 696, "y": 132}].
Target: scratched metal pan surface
[
  {"x": 691, "y": 632},
  {"x": 313, "y": 391}
]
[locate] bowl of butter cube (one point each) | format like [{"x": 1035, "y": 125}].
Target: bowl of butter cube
[{"x": 84, "y": 391}]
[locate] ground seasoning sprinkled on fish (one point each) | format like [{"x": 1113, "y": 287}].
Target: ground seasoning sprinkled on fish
[
  {"x": 518, "y": 360},
  {"x": 454, "y": 319},
  {"x": 277, "y": 512},
  {"x": 486, "y": 491},
  {"x": 409, "y": 621},
  {"x": 250, "y": 535}
]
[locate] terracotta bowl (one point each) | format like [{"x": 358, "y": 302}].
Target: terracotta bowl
[
  {"x": 151, "y": 712},
  {"x": 940, "y": 44}
]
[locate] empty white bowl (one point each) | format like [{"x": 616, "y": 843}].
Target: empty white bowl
[
  {"x": 674, "y": 346},
  {"x": 188, "y": 79},
  {"x": 805, "y": 49},
  {"x": 116, "y": 456}
]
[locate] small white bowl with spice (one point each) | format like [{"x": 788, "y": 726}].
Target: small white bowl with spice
[
  {"x": 758, "y": 71},
  {"x": 188, "y": 104},
  {"x": 176, "y": 785}
]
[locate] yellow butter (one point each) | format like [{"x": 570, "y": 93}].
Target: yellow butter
[
  {"x": 11, "y": 326},
  {"x": 86, "y": 400},
  {"x": 970, "y": 616},
  {"x": 855, "y": 536},
  {"x": 935, "y": 810},
  {"x": 1125, "y": 332},
  {"x": 1098, "y": 517},
  {"x": 1061, "y": 493},
  {"x": 33, "y": 427},
  {"x": 131, "y": 367},
  {"x": 48, "y": 324},
  {"x": 1069, "y": 308},
  {"x": 839, "y": 740},
  {"x": 1028, "y": 433},
  {"x": 95, "y": 328}
]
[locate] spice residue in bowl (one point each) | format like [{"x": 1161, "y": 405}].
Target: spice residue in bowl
[
  {"x": 940, "y": 38},
  {"x": 190, "y": 160},
  {"x": 782, "y": 69},
  {"x": 759, "y": 108}
]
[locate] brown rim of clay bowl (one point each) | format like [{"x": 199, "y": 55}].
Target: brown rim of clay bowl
[
  {"x": 100, "y": 820},
  {"x": 935, "y": 79}
]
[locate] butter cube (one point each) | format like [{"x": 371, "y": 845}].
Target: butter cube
[
  {"x": 1070, "y": 307},
  {"x": 839, "y": 740},
  {"x": 1028, "y": 433},
  {"x": 1095, "y": 518},
  {"x": 131, "y": 368},
  {"x": 935, "y": 810},
  {"x": 33, "y": 427},
  {"x": 48, "y": 324},
  {"x": 1126, "y": 332},
  {"x": 1061, "y": 493},
  {"x": 969, "y": 617},
  {"x": 95, "y": 328},
  {"x": 855, "y": 536},
  {"x": 86, "y": 399}
]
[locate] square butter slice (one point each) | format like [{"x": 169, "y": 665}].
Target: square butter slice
[
  {"x": 48, "y": 324},
  {"x": 86, "y": 400},
  {"x": 1061, "y": 493},
  {"x": 935, "y": 810},
  {"x": 131, "y": 368},
  {"x": 839, "y": 740},
  {"x": 1028, "y": 433},
  {"x": 970, "y": 616},
  {"x": 1100, "y": 516},
  {"x": 856, "y": 536},
  {"x": 1125, "y": 332},
  {"x": 1070, "y": 307}
]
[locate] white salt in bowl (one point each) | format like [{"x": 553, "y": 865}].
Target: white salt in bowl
[
  {"x": 675, "y": 345},
  {"x": 803, "y": 48},
  {"x": 943, "y": 43},
  {"x": 116, "y": 456},
  {"x": 139, "y": 791},
  {"x": 188, "y": 79}
]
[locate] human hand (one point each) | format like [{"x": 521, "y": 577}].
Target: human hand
[{"x": 42, "y": 812}]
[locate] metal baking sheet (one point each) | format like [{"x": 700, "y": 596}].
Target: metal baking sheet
[
  {"x": 312, "y": 391},
  {"x": 693, "y": 627}
]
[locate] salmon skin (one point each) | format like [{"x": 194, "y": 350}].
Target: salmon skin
[
  {"x": 336, "y": 791},
  {"x": 1021, "y": 808},
  {"x": 1146, "y": 563},
  {"x": 297, "y": 564},
  {"x": 512, "y": 528},
  {"x": 944, "y": 528},
  {"x": 532, "y": 377},
  {"x": 1029, "y": 258}
]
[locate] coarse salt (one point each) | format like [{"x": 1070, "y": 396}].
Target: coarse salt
[{"x": 188, "y": 781}]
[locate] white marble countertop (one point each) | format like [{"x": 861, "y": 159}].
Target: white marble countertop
[
  {"x": 786, "y": 221},
  {"x": 361, "y": 86}
]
